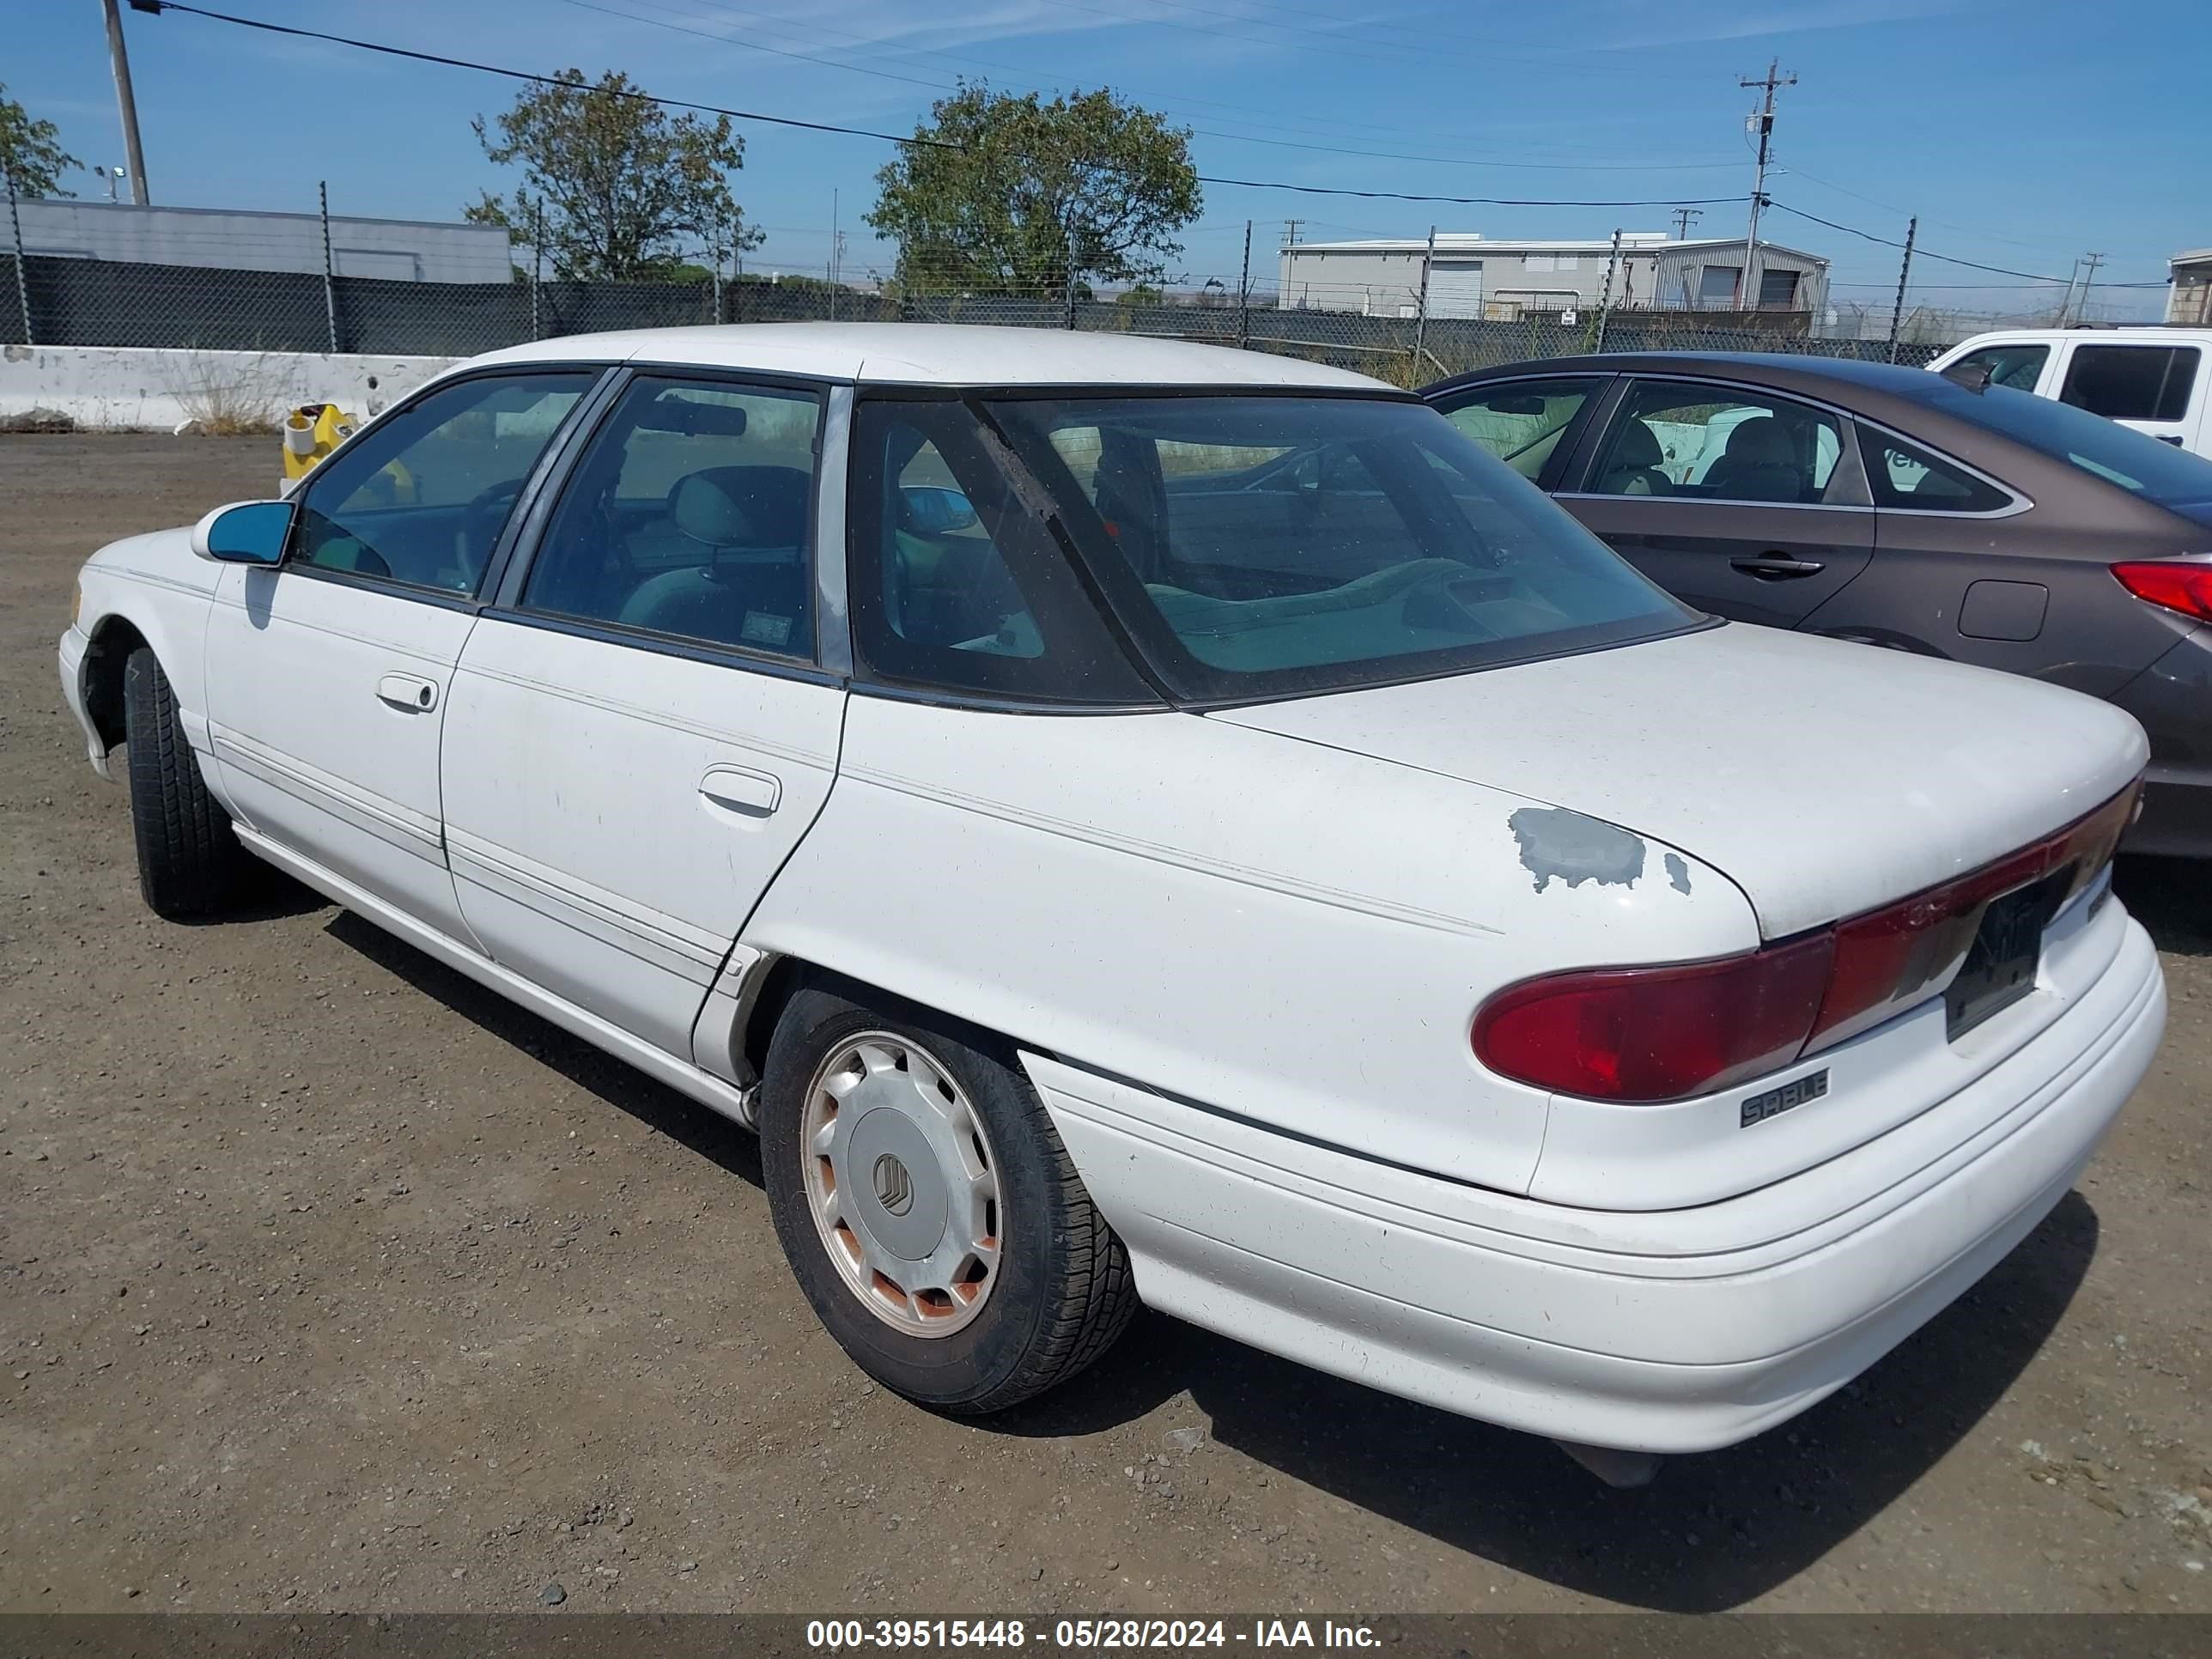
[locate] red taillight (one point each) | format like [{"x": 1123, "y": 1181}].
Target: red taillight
[
  {"x": 1640, "y": 1036},
  {"x": 2180, "y": 585}
]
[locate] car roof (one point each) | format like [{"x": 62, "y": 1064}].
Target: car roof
[
  {"x": 941, "y": 354},
  {"x": 1876, "y": 389},
  {"x": 2091, "y": 334},
  {"x": 1775, "y": 368}
]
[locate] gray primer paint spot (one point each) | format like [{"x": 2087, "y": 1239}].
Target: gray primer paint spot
[
  {"x": 1677, "y": 874},
  {"x": 1557, "y": 842}
]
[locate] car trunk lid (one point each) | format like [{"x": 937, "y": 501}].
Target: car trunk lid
[{"x": 1824, "y": 778}]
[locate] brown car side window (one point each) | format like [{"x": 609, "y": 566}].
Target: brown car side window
[
  {"x": 1906, "y": 475},
  {"x": 1718, "y": 443}
]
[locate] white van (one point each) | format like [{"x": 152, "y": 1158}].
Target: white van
[{"x": 2155, "y": 380}]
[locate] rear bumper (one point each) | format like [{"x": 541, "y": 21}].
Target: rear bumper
[
  {"x": 1673, "y": 1331},
  {"x": 73, "y": 648}
]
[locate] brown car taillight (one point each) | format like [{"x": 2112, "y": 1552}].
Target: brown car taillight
[
  {"x": 1640, "y": 1036},
  {"x": 2180, "y": 585}
]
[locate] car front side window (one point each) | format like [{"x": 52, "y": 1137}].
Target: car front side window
[
  {"x": 691, "y": 515},
  {"x": 1718, "y": 444},
  {"x": 422, "y": 498}
]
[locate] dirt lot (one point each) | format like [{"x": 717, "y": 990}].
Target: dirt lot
[{"x": 329, "y": 1280}]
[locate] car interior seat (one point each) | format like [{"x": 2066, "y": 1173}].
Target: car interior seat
[
  {"x": 1634, "y": 468},
  {"x": 1128, "y": 492},
  {"x": 1759, "y": 464},
  {"x": 750, "y": 587}
]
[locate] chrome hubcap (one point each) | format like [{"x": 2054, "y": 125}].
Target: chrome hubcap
[{"x": 902, "y": 1183}]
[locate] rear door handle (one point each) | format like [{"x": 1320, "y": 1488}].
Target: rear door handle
[
  {"x": 740, "y": 793},
  {"x": 1776, "y": 567},
  {"x": 409, "y": 693}
]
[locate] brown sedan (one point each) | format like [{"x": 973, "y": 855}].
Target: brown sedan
[{"x": 1898, "y": 507}]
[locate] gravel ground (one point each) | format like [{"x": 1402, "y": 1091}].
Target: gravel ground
[{"x": 328, "y": 1280}]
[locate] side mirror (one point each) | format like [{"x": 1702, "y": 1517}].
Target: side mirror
[
  {"x": 933, "y": 511},
  {"x": 245, "y": 532},
  {"x": 1975, "y": 377}
]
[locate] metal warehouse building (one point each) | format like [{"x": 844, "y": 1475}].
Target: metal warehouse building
[
  {"x": 1471, "y": 276},
  {"x": 404, "y": 249}
]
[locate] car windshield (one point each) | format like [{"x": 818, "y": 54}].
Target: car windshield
[
  {"x": 2105, "y": 449},
  {"x": 1261, "y": 545}
]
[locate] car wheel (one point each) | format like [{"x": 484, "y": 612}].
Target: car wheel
[
  {"x": 190, "y": 862},
  {"x": 931, "y": 1213}
]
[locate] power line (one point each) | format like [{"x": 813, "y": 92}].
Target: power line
[
  {"x": 1945, "y": 258},
  {"x": 160, "y": 6},
  {"x": 1466, "y": 201},
  {"x": 894, "y": 139}
]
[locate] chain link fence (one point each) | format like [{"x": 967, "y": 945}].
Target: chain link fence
[{"x": 54, "y": 300}]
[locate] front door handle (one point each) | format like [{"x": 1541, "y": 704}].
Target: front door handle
[
  {"x": 740, "y": 793},
  {"x": 411, "y": 694},
  {"x": 1777, "y": 566}
]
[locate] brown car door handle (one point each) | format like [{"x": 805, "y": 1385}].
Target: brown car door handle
[{"x": 1774, "y": 567}]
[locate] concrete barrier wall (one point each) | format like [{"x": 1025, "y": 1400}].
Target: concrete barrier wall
[{"x": 123, "y": 387}]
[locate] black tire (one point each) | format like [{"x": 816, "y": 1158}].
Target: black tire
[
  {"x": 1064, "y": 1292},
  {"x": 190, "y": 862}
]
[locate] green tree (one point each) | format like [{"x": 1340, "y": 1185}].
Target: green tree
[
  {"x": 622, "y": 189},
  {"x": 31, "y": 154},
  {"x": 1012, "y": 188}
]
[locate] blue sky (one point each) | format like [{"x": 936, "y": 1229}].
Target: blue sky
[{"x": 2023, "y": 132}]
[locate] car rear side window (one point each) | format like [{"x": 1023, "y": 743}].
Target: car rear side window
[
  {"x": 2131, "y": 382},
  {"x": 958, "y": 583},
  {"x": 1716, "y": 443},
  {"x": 1906, "y": 475},
  {"x": 421, "y": 498},
  {"x": 1257, "y": 544},
  {"x": 1521, "y": 422},
  {"x": 690, "y": 515}
]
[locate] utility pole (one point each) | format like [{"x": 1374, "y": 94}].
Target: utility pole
[
  {"x": 120, "y": 60},
  {"x": 832, "y": 256},
  {"x": 1683, "y": 219},
  {"x": 2088, "y": 281},
  {"x": 1904, "y": 270},
  {"x": 1772, "y": 82}
]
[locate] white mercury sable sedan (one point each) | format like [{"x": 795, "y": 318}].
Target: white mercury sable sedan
[{"x": 1130, "y": 821}]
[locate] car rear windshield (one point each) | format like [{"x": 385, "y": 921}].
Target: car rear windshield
[
  {"x": 1261, "y": 545},
  {"x": 2119, "y": 455}
]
